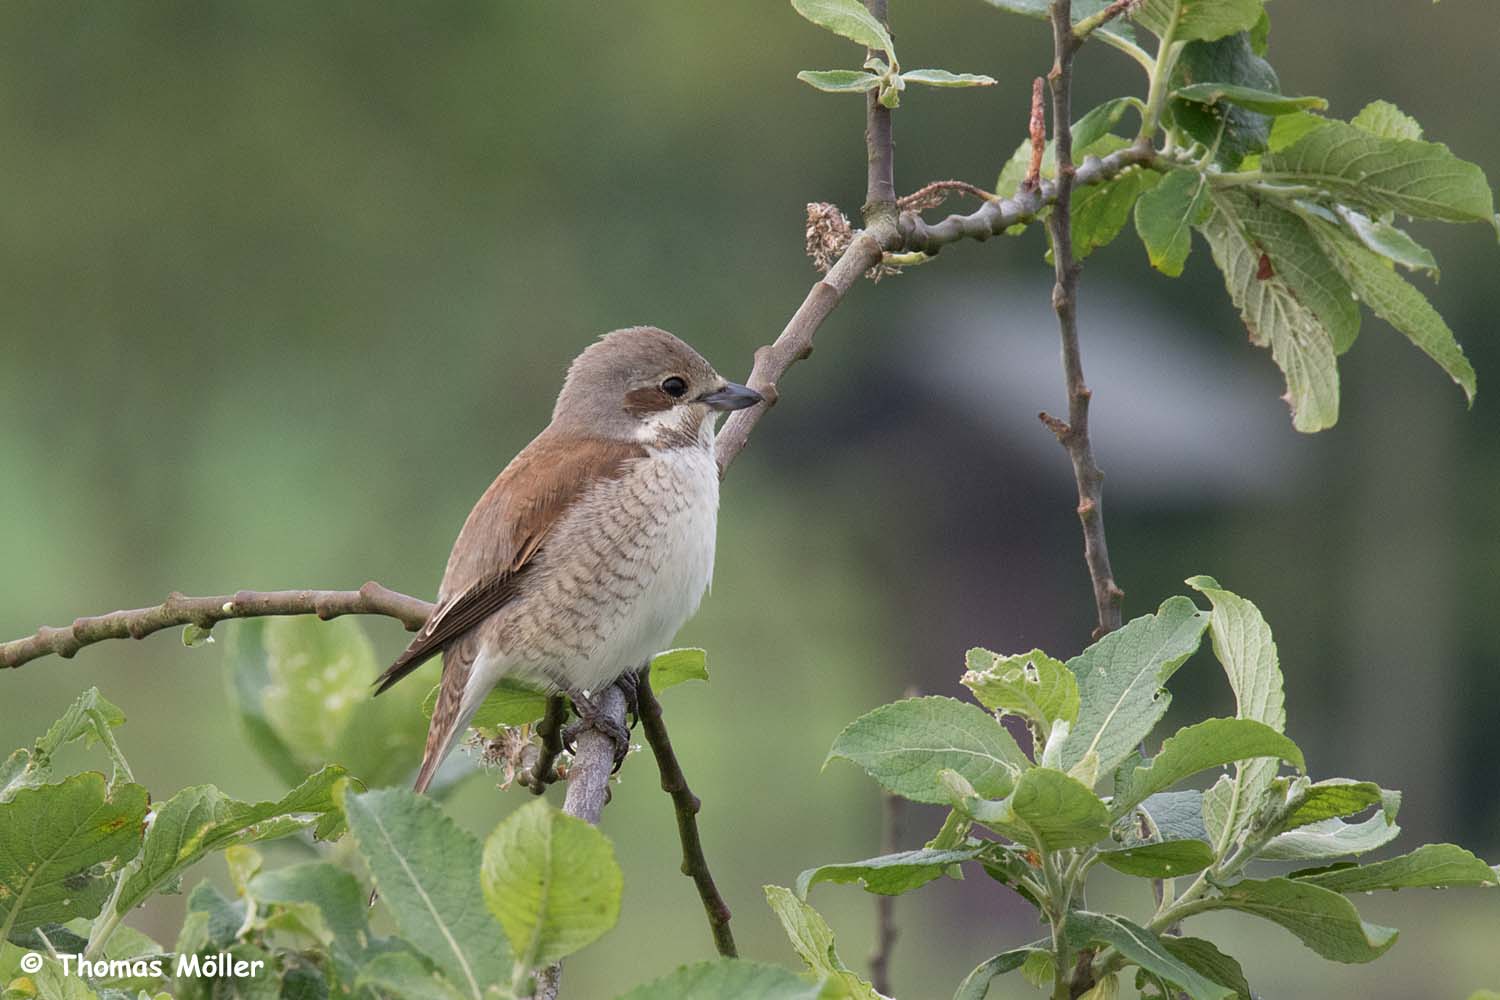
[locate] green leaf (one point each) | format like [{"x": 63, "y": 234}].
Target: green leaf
[
  {"x": 402, "y": 974},
  {"x": 812, "y": 939},
  {"x": 1331, "y": 799},
  {"x": 1206, "y": 957},
  {"x": 1243, "y": 646},
  {"x": 1210, "y": 743},
  {"x": 850, "y": 19},
  {"x": 1141, "y": 947},
  {"x": 1264, "y": 101},
  {"x": 676, "y": 666},
  {"x": 1384, "y": 119},
  {"x": 1048, "y": 810},
  {"x": 1288, "y": 130},
  {"x": 1331, "y": 838},
  {"x": 840, "y": 81},
  {"x": 427, "y": 869},
  {"x": 1232, "y": 130},
  {"x": 1204, "y": 20},
  {"x": 1032, "y": 685},
  {"x": 1164, "y": 859},
  {"x": 1431, "y": 866},
  {"x": 1040, "y": 968},
  {"x": 976, "y": 985},
  {"x": 905, "y": 744},
  {"x": 1165, "y": 216},
  {"x": 1321, "y": 919},
  {"x": 60, "y": 847},
  {"x": 1395, "y": 245},
  {"x": 889, "y": 874},
  {"x": 334, "y": 892},
  {"x": 1420, "y": 179},
  {"x": 1176, "y": 815},
  {"x": 728, "y": 977},
  {"x": 1120, "y": 680},
  {"x": 300, "y": 688},
  {"x": 90, "y": 718},
  {"x": 943, "y": 78},
  {"x": 1399, "y": 303},
  {"x": 200, "y": 819},
  {"x": 1040, "y": 9},
  {"x": 1100, "y": 211},
  {"x": 1275, "y": 314},
  {"x": 509, "y": 703},
  {"x": 552, "y": 881}
]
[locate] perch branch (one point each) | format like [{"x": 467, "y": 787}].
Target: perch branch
[
  {"x": 205, "y": 612},
  {"x": 885, "y": 906},
  {"x": 1074, "y": 432},
  {"x": 686, "y": 804}
]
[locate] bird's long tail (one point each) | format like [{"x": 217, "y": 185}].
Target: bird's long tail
[{"x": 450, "y": 717}]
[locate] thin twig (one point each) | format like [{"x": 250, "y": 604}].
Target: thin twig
[
  {"x": 934, "y": 193},
  {"x": 686, "y": 805},
  {"x": 205, "y": 612},
  {"x": 1074, "y": 433},
  {"x": 1037, "y": 130},
  {"x": 543, "y": 770},
  {"x": 885, "y": 906}
]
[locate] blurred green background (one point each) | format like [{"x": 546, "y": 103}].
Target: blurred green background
[{"x": 284, "y": 285}]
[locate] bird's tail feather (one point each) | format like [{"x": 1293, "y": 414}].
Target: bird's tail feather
[{"x": 450, "y": 717}]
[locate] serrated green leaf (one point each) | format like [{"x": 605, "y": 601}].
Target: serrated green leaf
[
  {"x": 904, "y": 745},
  {"x": 1276, "y": 316},
  {"x": 976, "y": 985},
  {"x": 850, "y": 19},
  {"x": 1384, "y": 119},
  {"x": 677, "y": 666},
  {"x": 1211, "y": 743},
  {"x": 1264, "y": 101},
  {"x": 1048, "y": 810},
  {"x": 943, "y": 78},
  {"x": 1206, "y": 957},
  {"x": 1332, "y": 799},
  {"x": 336, "y": 894},
  {"x": 1032, "y": 685},
  {"x": 813, "y": 941},
  {"x": 1420, "y": 179},
  {"x": 889, "y": 874},
  {"x": 1164, "y": 859},
  {"x": 728, "y": 977},
  {"x": 552, "y": 881},
  {"x": 1203, "y": 20},
  {"x": 200, "y": 819},
  {"x": 90, "y": 718},
  {"x": 1431, "y": 866},
  {"x": 1165, "y": 216},
  {"x": 402, "y": 974},
  {"x": 1120, "y": 680},
  {"x": 427, "y": 871},
  {"x": 60, "y": 847},
  {"x": 1331, "y": 838},
  {"x": 1289, "y": 129},
  {"x": 840, "y": 81},
  {"x": 1243, "y": 645},
  {"x": 1141, "y": 947},
  {"x": 1398, "y": 302},
  {"x": 1321, "y": 919}
]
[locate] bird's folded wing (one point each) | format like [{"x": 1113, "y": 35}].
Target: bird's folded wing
[{"x": 505, "y": 531}]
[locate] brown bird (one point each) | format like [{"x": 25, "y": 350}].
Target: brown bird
[{"x": 593, "y": 546}]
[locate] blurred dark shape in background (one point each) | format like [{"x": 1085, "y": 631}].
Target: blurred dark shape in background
[{"x": 285, "y": 284}]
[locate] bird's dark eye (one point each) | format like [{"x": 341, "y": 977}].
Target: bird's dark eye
[{"x": 674, "y": 387}]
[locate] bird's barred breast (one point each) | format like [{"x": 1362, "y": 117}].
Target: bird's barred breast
[{"x": 623, "y": 570}]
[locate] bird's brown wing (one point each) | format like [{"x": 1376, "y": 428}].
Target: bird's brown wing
[{"x": 503, "y": 534}]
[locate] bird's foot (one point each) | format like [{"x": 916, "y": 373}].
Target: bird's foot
[{"x": 591, "y": 716}]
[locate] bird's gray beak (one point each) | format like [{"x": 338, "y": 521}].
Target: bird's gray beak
[{"x": 730, "y": 396}]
